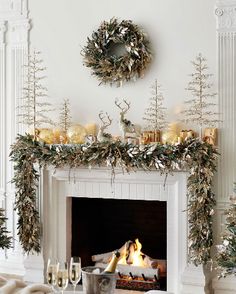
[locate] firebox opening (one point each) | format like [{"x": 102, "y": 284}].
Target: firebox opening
[{"x": 104, "y": 225}]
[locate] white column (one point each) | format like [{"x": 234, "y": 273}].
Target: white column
[
  {"x": 13, "y": 54},
  {"x": 225, "y": 12}
]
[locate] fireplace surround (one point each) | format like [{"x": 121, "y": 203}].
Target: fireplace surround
[{"x": 56, "y": 191}]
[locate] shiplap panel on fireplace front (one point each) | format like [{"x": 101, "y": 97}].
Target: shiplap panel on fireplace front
[{"x": 118, "y": 190}]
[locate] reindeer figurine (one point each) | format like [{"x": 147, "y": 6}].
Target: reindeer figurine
[
  {"x": 102, "y": 136},
  {"x": 126, "y": 126}
]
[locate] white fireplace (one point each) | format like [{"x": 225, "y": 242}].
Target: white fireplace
[{"x": 58, "y": 185}]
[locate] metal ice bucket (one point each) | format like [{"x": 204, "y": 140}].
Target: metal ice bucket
[{"x": 94, "y": 283}]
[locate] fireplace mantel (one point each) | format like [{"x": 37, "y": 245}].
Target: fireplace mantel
[{"x": 57, "y": 186}]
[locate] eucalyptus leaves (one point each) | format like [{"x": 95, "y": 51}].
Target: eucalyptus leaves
[
  {"x": 196, "y": 156},
  {"x": 109, "y": 67}
]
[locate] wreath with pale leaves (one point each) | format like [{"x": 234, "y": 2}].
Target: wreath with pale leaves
[{"x": 99, "y": 53}]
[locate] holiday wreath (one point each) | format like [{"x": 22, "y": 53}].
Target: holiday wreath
[
  {"x": 198, "y": 157},
  {"x": 109, "y": 67}
]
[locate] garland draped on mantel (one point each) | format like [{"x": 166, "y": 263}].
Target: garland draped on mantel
[{"x": 198, "y": 157}]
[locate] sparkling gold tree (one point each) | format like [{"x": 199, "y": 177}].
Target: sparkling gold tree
[
  {"x": 5, "y": 239},
  {"x": 65, "y": 117},
  {"x": 200, "y": 110},
  {"x": 155, "y": 114},
  {"x": 33, "y": 109}
]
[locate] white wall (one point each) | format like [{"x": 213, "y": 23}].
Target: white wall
[{"x": 178, "y": 29}]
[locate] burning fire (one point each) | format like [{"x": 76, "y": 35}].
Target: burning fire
[{"x": 132, "y": 255}]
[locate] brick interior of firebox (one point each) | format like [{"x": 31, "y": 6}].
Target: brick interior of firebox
[{"x": 103, "y": 225}]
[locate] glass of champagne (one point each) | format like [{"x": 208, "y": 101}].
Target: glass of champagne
[
  {"x": 62, "y": 276},
  {"x": 75, "y": 270},
  {"x": 52, "y": 268}
]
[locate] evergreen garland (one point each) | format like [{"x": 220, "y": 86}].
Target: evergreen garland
[
  {"x": 5, "y": 239},
  {"x": 198, "y": 157}
]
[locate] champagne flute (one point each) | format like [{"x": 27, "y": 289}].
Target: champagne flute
[
  {"x": 75, "y": 271},
  {"x": 62, "y": 276},
  {"x": 52, "y": 268}
]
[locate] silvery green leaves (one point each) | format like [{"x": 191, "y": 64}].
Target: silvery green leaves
[
  {"x": 113, "y": 68},
  {"x": 198, "y": 157}
]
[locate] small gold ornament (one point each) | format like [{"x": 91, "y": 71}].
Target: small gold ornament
[
  {"x": 169, "y": 137},
  {"x": 45, "y": 135},
  {"x": 76, "y": 134},
  {"x": 59, "y": 136}
]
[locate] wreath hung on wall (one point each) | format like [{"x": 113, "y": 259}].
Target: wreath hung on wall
[{"x": 103, "y": 52}]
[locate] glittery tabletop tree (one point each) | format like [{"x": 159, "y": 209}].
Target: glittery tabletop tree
[
  {"x": 200, "y": 111},
  {"x": 155, "y": 114},
  {"x": 34, "y": 107},
  {"x": 65, "y": 117}
]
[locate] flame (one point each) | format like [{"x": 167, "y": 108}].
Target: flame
[{"x": 135, "y": 255}]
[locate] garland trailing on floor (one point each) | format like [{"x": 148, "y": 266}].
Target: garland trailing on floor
[{"x": 198, "y": 157}]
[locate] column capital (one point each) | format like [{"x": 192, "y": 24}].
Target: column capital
[
  {"x": 225, "y": 12},
  {"x": 13, "y": 9},
  {"x": 19, "y": 31}
]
